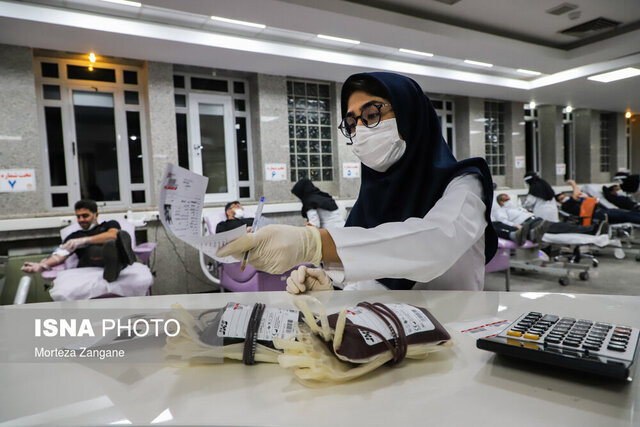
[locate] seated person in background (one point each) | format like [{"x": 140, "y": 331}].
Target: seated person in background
[
  {"x": 572, "y": 205},
  {"x": 540, "y": 198},
  {"x": 516, "y": 224},
  {"x": 96, "y": 245},
  {"x": 318, "y": 207},
  {"x": 630, "y": 184},
  {"x": 612, "y": 194},
  {"x": 235, "y": 218}
]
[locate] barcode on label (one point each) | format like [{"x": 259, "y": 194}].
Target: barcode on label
[{"x": 289, "y": 328}]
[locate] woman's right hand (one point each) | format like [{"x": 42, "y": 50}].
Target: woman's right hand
[{"x": 306, "y": 279}]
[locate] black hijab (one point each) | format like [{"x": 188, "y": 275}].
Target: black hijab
[
  {"x": 538, "y": 187},
  {"x": 312, "y": 197},
  {"x": 413, "y": 185}
]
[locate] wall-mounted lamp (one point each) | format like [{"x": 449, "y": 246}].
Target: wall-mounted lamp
[
  {"x": 627, "y": 115},
  {"x": 92, "y": 60},
  {"x": 568, "y": 109},
  {"x": 532, "y": 105}
]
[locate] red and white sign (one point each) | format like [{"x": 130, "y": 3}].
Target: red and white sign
[
  {"x": 17, "y": 180},
  {"x": 351, "y": 170},
  {"x": 275, "y": 172}
]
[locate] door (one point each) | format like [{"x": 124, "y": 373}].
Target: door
[
  {"x": 95, "y": 145},
  {"x": 212, "y": 145}
]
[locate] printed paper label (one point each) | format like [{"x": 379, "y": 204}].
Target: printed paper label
[
  {"x": 275, "y": 322},
  {"x": 413, "y": 320}
]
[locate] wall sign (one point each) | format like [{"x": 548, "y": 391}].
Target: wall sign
[
  {"x": 351, "y": 170},
  {"x": 561, "y": 168},
  {"x": 275, "y": 172},
  {"x": 519, "y": 162},
  {"x": 17, "y": 180}
]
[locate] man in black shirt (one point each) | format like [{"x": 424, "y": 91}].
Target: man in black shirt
[
  {"x": 573, "y": 204},
  {"x": 96, "y": 245},
  {"x": 612, "y": 194},
  {"x": 235, "y": 218}
]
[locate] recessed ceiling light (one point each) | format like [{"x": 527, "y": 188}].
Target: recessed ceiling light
[
  {"x": 482, "y": 64},
  {"x": 235, "y": 21},
  {"x": 611, "y": 76},
  {"x": 529, "y": 72},
  {"x": 415, "y": 52},
  {"x": 125, "y": 2},
  {"x": 338, "y": 39}
]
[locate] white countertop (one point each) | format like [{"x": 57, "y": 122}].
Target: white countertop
[{"x": 458, "y": 386}]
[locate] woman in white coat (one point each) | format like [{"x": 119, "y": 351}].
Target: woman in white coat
[
  {"x": 420, "y": 217},
  {"x": 318, "y": 207}
]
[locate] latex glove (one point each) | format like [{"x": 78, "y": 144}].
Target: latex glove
[
  {"x": 277, "y": 248},
  {"x": 306, "y": 279},
  {"x": 73, "y": 244},
  {"x": 33, "y": 267}
]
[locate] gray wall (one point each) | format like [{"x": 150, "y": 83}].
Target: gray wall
[
  {"x": 551, "y": 142},
  {"x": 161, "y": 122},
  {"x": 19, "y": 121},
  {"x": 515, "y": 143}
]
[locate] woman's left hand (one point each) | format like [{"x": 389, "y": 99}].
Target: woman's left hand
[{"x": 306, "y": 279}]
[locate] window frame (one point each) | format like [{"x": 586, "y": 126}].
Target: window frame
[
  {"x": 65, "y": 103},
  {"x": 500, "y": 120},
  {"x": 293, "y": 170},
  {"x": 235, "y": 114}
]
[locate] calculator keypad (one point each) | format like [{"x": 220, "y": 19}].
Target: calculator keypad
[{"x": 570, "y": 335}]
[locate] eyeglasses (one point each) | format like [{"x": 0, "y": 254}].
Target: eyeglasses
[{"x": 369, "y": 115}]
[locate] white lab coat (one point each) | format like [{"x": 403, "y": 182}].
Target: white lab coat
[
  {"x": 443, "y": 250},
  {"x": 545, "y": 209},
  {"x": 509, "y": 215},
  {"x": 323, "y": 218}
]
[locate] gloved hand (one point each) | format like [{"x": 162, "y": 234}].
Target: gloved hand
[
  {"x": 33, "y": 267},
  {"x": 277, "y": 248},
  {"x": 306, "y": 279},
  {"x": 73, "y": 244}
]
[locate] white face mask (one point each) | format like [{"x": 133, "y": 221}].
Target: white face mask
[
  {"x": 238, "y": 213},
  {"x": 380, "y": 147}
]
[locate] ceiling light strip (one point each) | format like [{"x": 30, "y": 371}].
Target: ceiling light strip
[
  {"x": 415, "y": 52},
  {"x": 237, "y": 22},
  {"x": 125, "y": 2},
  {"x": 482, "y": 64},
  {"x": 338, "y": 39},
  {"x": 528, "y": 72},
  {"x": 612, "y": 76}
]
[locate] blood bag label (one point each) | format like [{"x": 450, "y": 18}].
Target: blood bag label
[
  {"x": 413, "y": 320},
  {"x": 275, "y": 322}
]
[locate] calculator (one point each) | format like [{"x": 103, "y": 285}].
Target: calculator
[{"x": 599, "y": 348}]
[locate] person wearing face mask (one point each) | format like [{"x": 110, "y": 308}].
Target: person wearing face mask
[
  {"x": 540, "y": 198},
  {"x": 421, "y": 218},
  {"x": 613, "y": 195},
  {"x": 96, "y": 245},
  {"x": 318, "y": 207},
  {"x": 573, "y": 205},
  {"x": 235, "y": 218},
  {"x": 517, "y": 224}
]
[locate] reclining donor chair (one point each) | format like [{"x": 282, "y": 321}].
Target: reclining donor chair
[
  {"x": 230, "y": 276},
  {"x": 73, "y": 283}
]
